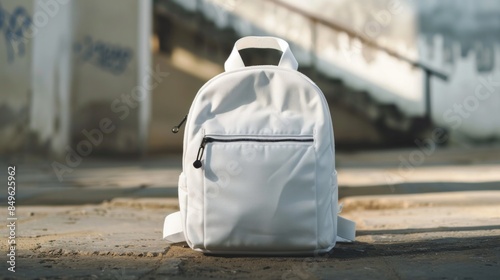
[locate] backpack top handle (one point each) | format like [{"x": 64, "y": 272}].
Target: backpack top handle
[{"x": 287, "y": 60}]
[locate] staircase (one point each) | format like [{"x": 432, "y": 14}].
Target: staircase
[{"x": 365, "y": 114}]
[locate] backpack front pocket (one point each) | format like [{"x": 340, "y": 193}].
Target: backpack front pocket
[{"x": 259, "y": 193}]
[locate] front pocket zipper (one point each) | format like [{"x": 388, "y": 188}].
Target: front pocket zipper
[{"x": 275, "y": 139}]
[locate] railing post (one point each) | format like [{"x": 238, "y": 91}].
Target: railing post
[
  {"x": 428, "y": 113},
  {"x": 429, "y": 73},
  {"x": 314, "y": 42}
]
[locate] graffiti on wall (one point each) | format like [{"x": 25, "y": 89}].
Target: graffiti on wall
[
  {"x": 108, "y": 57},
  {"x": 13, "y": 27}
]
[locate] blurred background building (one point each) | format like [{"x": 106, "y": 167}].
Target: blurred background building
[{"x": 112, "y": 77}]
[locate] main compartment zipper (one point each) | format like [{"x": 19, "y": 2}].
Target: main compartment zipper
[{"x": 208, "y": 139}]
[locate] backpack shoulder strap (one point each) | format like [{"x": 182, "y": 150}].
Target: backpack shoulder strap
[
  {"x": 346, "y": 230},
  {"x": 173, "y": 233},
  {"x": 172, "y": 228}
]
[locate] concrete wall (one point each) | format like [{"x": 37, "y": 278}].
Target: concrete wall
[
  {"x": 469, "y": 50},
  {"x": 468, "y": 103},
  {"x": 15, "y": 74}
]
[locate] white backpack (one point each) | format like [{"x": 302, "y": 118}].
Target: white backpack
[{"x": 259, "y": 163}]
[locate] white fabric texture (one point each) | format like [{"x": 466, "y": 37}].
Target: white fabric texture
[
  {"x": 258, "y": 165},
  {"x": 173, "y": 232}
]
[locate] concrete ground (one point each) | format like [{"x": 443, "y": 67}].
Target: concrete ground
[{"x": 439, "y": 219}]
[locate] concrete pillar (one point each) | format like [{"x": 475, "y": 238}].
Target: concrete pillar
[
  {"x": 145, "y": 20},
  {"x": 111, "y": 77},
  {"x": 51, "y": 74},
  {"x": 15, "y": 78}
]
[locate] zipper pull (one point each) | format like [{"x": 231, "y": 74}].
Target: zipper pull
[
  {"x": 197, "y": 163},
  {"x": 175, "y": 129}
]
